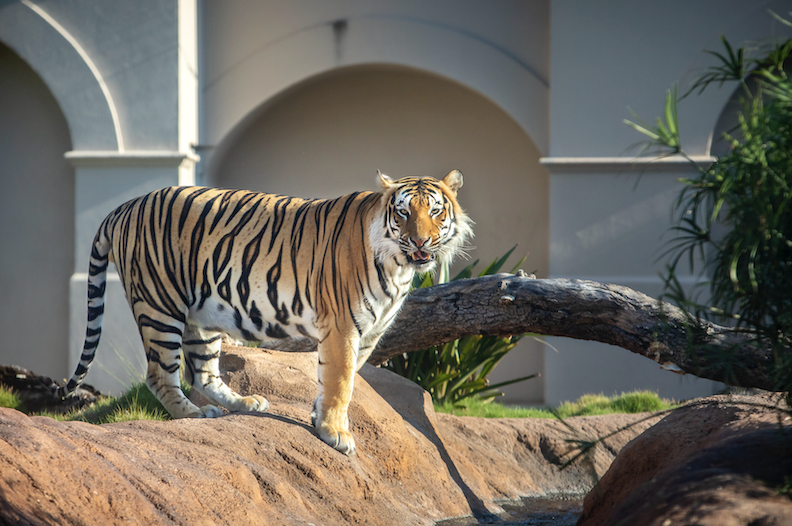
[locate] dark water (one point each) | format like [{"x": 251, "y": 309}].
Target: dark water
[{"x": 531, "y": 511}]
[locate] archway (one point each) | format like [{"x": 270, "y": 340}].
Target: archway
[
  {"x": 37, "y": 214},
  {"x": 328, "y": 135}
]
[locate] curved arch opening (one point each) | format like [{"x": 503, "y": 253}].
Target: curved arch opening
[{"x": 37, "y": 211}]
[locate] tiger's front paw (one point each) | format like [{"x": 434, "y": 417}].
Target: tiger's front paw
[
  {"x": 339, "y": 439},
  {"x": 255, "y": 403},
  {"x": 210, "y": 411}
]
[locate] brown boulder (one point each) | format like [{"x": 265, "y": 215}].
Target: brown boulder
[
  {"x": 718, "y": 462},
  {"x": 412, "y": 466}
]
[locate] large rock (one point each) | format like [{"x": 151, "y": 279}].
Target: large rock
[
  {"x": 718, "y": 462},
  {"x": 412, "y": 466}
]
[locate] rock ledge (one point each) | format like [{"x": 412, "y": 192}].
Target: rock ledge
[{"x": 412, "y": 466}]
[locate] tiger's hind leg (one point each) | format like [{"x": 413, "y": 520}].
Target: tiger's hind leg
[
  {"x": 202, "y": 360},
  {"x": 162, "y": 340}
]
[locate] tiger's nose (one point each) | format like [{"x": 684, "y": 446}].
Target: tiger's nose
[{"x": 419, "y": 241}]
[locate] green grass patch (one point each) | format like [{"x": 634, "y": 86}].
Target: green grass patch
[
  {"x": 136, "y": 403},
  {"x": 9, "y": 398},
  {"x": 587, "y": 405}
]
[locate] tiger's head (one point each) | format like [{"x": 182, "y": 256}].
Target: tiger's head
[{"x": 422, "y": 222}]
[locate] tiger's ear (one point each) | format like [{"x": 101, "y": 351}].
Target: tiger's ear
[
  {"x": 453, "y": 180},
  {"x": 384, "y": 180}
]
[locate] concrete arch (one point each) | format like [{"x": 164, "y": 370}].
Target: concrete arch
[
  {"x": 67, "y": 71},
  {"x": 364, "y": 40}
]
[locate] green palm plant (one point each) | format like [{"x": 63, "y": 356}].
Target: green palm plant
[{"x": 747, "y": 195}]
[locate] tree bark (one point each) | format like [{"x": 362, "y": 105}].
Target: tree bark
[{"x": 506, "y": 304}]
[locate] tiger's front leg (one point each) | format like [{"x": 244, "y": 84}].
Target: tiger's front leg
[{"x": 337, "y": 361}]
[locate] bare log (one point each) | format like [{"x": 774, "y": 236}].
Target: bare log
[{"x": 506, "y": 304}]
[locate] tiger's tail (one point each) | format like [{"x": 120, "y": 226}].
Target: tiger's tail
[{"x": 97, "y": 282}]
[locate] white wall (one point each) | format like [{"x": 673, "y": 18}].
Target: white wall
[{"x": 610, "y": 56}]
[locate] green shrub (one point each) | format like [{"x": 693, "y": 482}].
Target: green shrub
[{"x": 459, "y": 369}]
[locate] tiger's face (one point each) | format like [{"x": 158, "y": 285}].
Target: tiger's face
[{"x": 423, "y": 220}]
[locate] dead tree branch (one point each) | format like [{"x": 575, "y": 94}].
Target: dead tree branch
[{"x": 506, "y": 304}]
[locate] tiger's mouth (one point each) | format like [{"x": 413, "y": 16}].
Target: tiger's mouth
[{"x": 420, "y": 257}]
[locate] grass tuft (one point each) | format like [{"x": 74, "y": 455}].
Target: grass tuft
[
  {"x": 136, "y": 403},
  {"x": 9, "y": 398},
  {"x": 587, "y": 405}
]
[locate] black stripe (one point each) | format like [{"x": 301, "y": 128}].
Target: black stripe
[
  {"x": 187, "y": 207},
  {"x": 352, "y": 315},
  {"x": 95, "y": 270},
  {"x": 273, "y": 276},
  {"x": 166, "y": 305},
  {"x": 275, "y": 330},
  {"x": 222, "y": 254},
  {"x": 366, "y": 302},
  {"x": 206, "y": 289},
  {"x": 255, "y": 316},
  {"x": 249, "y": 257},
  {"x": 203, "y": 357},
  {"x": 278, "y": 218},
  {"x": 173, "y": 270},
  {"x": 146, "y": 321},
  {"x": 96, "y": 291},
  {"x": 196, "y": 241},
  {"x": 202, "y": 342},
  {"x": 171, "y": 346},
  {"x": 224, "y": 287},
  {"x": 246, "y": 334},
  {"x": 153, "y": 356},
  {"x": 381, "y": 277},
  {"x": 224, "y": 202},
  {"x": 95, "y": 312}
]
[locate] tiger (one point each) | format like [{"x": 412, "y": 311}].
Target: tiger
[{"x": 197, "y": 263}]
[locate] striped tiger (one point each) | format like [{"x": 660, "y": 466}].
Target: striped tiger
[{"x": 198, "y": 262}]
